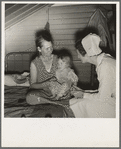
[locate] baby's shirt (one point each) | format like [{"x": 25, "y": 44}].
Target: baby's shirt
[
  {"x": 65, "y": 79},
  {"x": 65, "y": 75}
]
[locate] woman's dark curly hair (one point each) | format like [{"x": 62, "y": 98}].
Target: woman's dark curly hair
[
  {"x": 80, "y": 48},
  {"x": 42, "y": 34}
]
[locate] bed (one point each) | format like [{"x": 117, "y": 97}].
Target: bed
[{"x": 15, "y": 105}]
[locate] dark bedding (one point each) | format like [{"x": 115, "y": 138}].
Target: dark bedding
[{"x": 15, "y": 105}]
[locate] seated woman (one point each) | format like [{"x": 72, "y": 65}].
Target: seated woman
[
  {"x": 65, "y": 78},
  {"x": 100, "y": 104},
  {"x": 42, "y": 71},
  {"x": 42, "y": 68}
]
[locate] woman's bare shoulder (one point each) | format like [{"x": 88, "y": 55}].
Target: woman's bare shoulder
[{"x": 35, "y": 60}]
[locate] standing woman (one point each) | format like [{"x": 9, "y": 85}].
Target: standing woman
[
  {"x": 42, "y": 68},
  {"x": 100, "y": 104}
]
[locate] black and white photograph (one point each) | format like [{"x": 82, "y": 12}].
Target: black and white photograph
[{"x": 60, "y": 74}]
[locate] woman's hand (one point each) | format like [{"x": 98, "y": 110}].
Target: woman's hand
[{"x": 77, "y": 94}]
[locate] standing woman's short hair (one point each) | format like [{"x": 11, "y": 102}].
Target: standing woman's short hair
[
  {"x": 42, "y": 34},
  {"x": 80, "y": 48},
  {"x": 90, "y": 45}
]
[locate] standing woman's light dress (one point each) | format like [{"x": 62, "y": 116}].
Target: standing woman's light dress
[{"x": 103, "y": 103}]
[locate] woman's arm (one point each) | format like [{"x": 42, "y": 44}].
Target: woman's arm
[
  {"x": 39, "y": 85},
  {"x": 33, "y": 73},
  {"x": 33, "y": 78}
]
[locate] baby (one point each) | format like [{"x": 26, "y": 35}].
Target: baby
[{"x": 64, "y": 79}]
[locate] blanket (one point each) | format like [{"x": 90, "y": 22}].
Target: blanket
[{"x": 15, "y": 104}]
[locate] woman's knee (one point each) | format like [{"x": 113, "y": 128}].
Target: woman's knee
[{"x": 32, "y": 99}]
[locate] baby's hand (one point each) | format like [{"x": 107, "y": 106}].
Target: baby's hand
[
  {"x": 77, "y": 94},
  {"x": 58, "y": 97}
]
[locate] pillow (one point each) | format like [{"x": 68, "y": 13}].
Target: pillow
[
  {"x": 9, "y": 80},
  {"x": 17, "y": 79}
]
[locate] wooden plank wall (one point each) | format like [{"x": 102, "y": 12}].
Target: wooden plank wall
[{"x": 65, "y": 21}]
